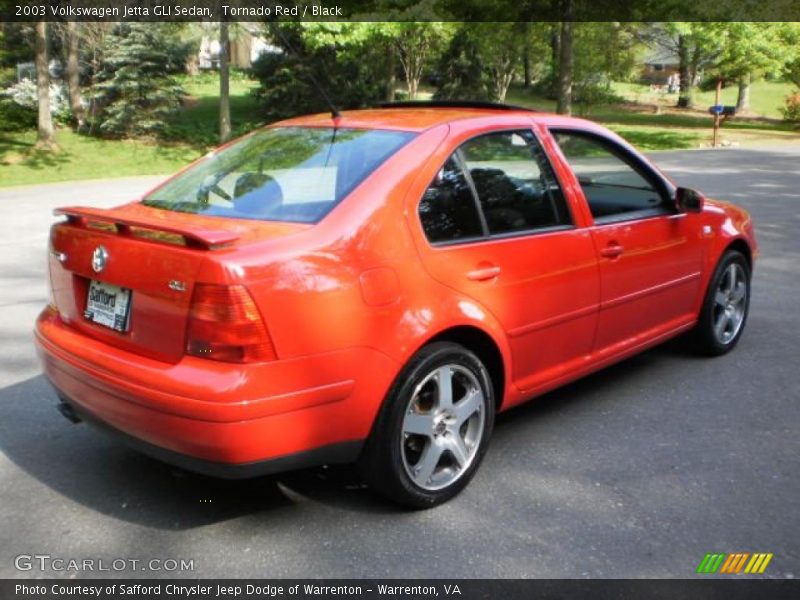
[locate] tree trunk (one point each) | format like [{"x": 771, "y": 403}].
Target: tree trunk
[
  {"x": 685, "y": 99},
  {"x": 555, "y": 55},
  {"x": 413, "y": 86},
  {"x": 224, "y": 83},
  {"x": 45, "y": 136},
  {"x": 526, "y": 66},
  {"x": 73, "y": 75},
  {"x": 503, "y": 85},
  {"x": 565, "y": 63},
  {"x": 526, "y": 54},
  {"x": 391, "y": 83},
  {"x": 743, "y": 99}
]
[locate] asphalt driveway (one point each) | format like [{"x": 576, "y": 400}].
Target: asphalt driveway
[{"x": 637, "y": 471}]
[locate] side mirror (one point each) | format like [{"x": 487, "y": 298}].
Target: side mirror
[{"x": 689, "y": 200}]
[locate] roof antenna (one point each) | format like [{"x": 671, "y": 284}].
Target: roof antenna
[{"x": 335, "y": 114}]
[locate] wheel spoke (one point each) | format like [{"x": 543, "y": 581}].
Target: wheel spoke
[
  {"x": 732, "y": 272},
  {"x": 444, "y": 379},
  {"x": 418, "y": 424},
  {"x": 721, "y": 298},
  {"x": 427, "y": 463},
  {"x": 457, "y": 447},
  {"x": 468, "y": 406},
  {"x": 739, "y": 292},
  {"x": 721, "y": 325}
]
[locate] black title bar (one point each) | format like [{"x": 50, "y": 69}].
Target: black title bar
[
  {"x": 399, "y": 10},
  {"x": 732, "y": 588}
]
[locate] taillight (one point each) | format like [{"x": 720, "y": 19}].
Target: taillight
[{"x": 224, "y": 324}]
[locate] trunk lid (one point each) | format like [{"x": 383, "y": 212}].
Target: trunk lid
[{"x": 156, "y": 254}]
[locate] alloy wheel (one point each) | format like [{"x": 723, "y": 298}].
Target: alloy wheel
[{"x": 442, "y": 427}]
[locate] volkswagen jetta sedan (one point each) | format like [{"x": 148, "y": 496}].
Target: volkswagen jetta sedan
[{"x": 374, "y": 287}]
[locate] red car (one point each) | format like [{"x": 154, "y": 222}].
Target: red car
[{"x": 374, "y": 287}]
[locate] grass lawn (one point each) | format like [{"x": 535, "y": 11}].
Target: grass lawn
[
  {"x": 198, "y": 123},
  {"x": 647, "y": 120},
  {"x": 766, "y": 97},
  {"x": 650, "y": 121},
  {"x": 192, "y": 132},
  {"x": 83, "y": 157}
]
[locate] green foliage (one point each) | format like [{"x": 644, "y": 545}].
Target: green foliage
[
  {"x": 8, "y": 75},
  {"x": 482, "y": 59},
  {"x": 588, "y": 94},
  {"x": 415, "y": 43},
  {"x": 459, "y": 69},
  {"x": 197, "y": 122},
  {"x": 134, "y": 93},
  {"x": 286, "y": 79},
  {"x": 604, "y": 52},
  {"x": 16, "y": 43},
  {"x": 748, "y": 49},
  {"x": 15, "y": 117},
  {"x": 791, "y": 109}
]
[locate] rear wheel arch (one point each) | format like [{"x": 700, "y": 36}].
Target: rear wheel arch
[{"x": 484, "y": 347}]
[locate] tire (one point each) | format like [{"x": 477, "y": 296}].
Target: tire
[
  {"x": 725, "y": 307},
  {"x": 424, "y": 449}
]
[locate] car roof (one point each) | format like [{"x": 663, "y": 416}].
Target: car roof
[{"x": 417, "y": 117}]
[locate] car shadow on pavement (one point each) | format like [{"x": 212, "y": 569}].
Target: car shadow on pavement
[
  {"x": 91, "y": 468},
  {"x": 87, "y": 466}
]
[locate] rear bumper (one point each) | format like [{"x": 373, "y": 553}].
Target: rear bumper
[
  {"x": 340, "y": 453},
  {"x": 217, "y": 418}
]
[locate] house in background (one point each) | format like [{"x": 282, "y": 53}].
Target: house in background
[
  {"x": 247, "y": 44},
  {"x": 660, "y": 67}
]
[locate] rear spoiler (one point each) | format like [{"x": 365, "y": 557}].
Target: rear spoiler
[{"x": 207, "y": 239}]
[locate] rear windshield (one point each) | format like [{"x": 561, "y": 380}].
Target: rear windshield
[{"x": 279, "y": 174}]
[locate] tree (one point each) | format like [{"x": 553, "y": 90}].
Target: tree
[
  {"x": 73, "y": 72},
  {"x": 224, "y": 83},
  {"x": 459, "y": 67},
  {"x": 603, "y": 52},
  {"x": 749, "y": 51},
  {"x": 135, "y": 93},
  {"x": 346, "y": 60},
  {"x": 501, "y": 47},
  {"x": 566, "y": 60},
  {"x": 790, "y": 35},
  {"x": 414, "y": 44},
  {"x": 45, "y": 133},
  {"x": 696, "y": 45}
]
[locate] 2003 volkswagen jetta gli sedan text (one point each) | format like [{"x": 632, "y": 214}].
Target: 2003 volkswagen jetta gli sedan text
[{"x": 373, "y": 287}]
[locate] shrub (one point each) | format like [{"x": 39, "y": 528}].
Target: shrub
[
  {"x": 15, "y": 117},
  {"x": 19, "y": 105},
  {"x": 791, "y": 109},
  {"x": 591, "y": 93}
]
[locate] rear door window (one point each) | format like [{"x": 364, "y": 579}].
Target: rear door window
[
  {"x": 515, "y": 183},
  {"x": 496, "y": 184}
]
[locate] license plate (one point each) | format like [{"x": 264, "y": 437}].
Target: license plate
[{"x": 108, "y": 305}]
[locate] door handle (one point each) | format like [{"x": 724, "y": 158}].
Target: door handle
[
  {"x": 484, "y": 273},
  {"x": 613, "y": 250}
]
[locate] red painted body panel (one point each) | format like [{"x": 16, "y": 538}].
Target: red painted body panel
[{"x": 349, "y": 300}]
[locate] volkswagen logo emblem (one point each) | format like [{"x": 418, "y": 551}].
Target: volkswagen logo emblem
[{"x": 99, "y": 259}]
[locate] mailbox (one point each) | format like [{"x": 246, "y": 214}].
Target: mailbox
[{"x": 723, "y": 111}]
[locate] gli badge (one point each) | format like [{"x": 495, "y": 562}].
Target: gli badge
[{"x": 99, "y": 259}]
